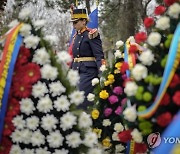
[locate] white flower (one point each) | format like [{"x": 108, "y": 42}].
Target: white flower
[
  {"x": 62, "y": 151},
  {"x": 84, "y": 120},
  {"x": 174, "y": 10},
  {"x": 27, "y": 106},
  {"x": 118, "y": 54},
  {"x": 130, "y": 88},
  {"x": 73, "y": 77},
  {"x": 163, "y": 23},
  {"x": 41, "y": 56},
  {"x": 115, "y": 136},
  {"x": 119, "y": 44},
  {"x": 131, "y": 39},
  {"x": 147, "y": 57},
  {"x": 15, "y": 149},
  {"x": 18, "y": 122},
  {"x": 139, "y": 72},
  {"x": 26, "y": 136},
  {"x": 42, "y": 151},
  {"x": 31, "y": 41},
  {"x": 103, "y": 68},
  {"x": 25, "y": 30},
  {"x": 130, "y": 114},
  {"x": 95, "y": 81},
  {"x": 106, "y": 122},
  {"x": 119, "y": 148},
  {"x": 28, "y": 151},
  {"x": 55, "y": 139},
  {"x": 13, "y": 23},
  {"x": 63, "y": 56},
  {"x": 39, "y": 24},
  {"x": 52, "y": 39},
  {"x": 77, "y": 97},
  {"x": 39, "y": 89},
  {"x": 95, "y": 151},
  {"x": 62, "y": 103},
  {"x": 49, "y": 122},
  {"x": 32, "y": 122},
  {"x": 90, "y": 139},
  {"x": 73, "y": 140},
  {"x": 154, "y": 38},
  {"x": 118, "y": 127},
  {"x": 48, "y": 72},
  {"x": 45, "y": 104},
  {"x": 37, "y": 138},
  {"x": 25, "y": 13},
  {"x": 16, "y": 136},
  {"x": 90, "y": 97},
  {"x": 56, "y": 88},
  {"x": 67, "y": 121},
  {"x": 136, "y": 135}
]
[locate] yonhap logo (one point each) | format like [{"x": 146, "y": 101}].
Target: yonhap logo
[{"x": 154, "y": 140}]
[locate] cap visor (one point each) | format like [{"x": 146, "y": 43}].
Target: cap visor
[{"x": 73, "y": 20}]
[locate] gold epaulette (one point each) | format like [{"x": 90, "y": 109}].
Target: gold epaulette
[{"x": 93, "y": 33}]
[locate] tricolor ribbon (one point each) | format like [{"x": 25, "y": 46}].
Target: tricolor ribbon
[
  {"x": 171, "y": 66},
  {"x": 12, "y": 46}
]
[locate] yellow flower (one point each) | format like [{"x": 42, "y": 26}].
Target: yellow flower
[
  {"x": 95, "y": 114},
  {"x": 110, "y": 77},
  {"x": 104, "y": 94},
  {"x": 106, "y": 142},
  {"x": 106, "y": 83},
  {"x": 118, "y": 65},
  {"x": 111, "y": 81},
  {"x": 97, "y": 131},
  {"x": 116, "y": 71}
]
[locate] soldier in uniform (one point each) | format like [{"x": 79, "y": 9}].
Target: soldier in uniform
[{"x": 87, "y": 52}]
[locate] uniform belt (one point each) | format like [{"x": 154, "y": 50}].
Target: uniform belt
[{"x": 84, "y": 59}]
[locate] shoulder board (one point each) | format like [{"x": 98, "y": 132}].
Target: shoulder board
[{"x": 93, "y": 33}]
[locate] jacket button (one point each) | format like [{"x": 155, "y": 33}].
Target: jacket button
[
  {"x": 79, "y": 42},
  {"x": 77, "y": 55},
  {"x": 78, "y": 48}
]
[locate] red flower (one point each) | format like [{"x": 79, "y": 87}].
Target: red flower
[
  {"x": 166, "y": 99},
  {"x": 133, "y": 48},
  {"x": 164, "y": 119},
  {"x": 22, "y": 89},
  {"x": 5, "y": 146},
  {"x": 159, "y": 10},
  {"x": 32, "y": 73},
  {"x": 23, "y": 56},
  {"x": 8, "y": 127},
  {"x": 148, "y": 22},
  {"x": 140, "y": 37},
  {"x": 140, "y": 148},
  {"x": 175, "y": 81},
  {"x": 124, "y": 67},
  {"x": 24, "y": 52},
  {"x": 13, "y": 108},
  {"x": 125, "y": 136},
  {"x": 169, "y": 2},
  {"x": 176, "y": 98}
]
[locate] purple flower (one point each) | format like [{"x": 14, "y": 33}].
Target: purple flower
[
  {"x": 113, "y": 99},
  {"x": 118, "y": 110},
  {"x": 124, "y": 76},
  {"x": 124, "y": 101},
  {"x": 118, "y": 90},
  {"x": 107, "y": 112}
]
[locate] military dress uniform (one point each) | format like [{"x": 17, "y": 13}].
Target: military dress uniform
[{"x": 87, "y": 59}]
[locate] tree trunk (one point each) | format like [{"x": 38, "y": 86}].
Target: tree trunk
[{"x": 88, "y": 6}]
